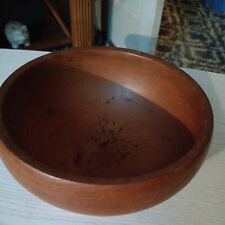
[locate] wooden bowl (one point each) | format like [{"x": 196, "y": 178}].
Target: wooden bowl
[{"x": 103, "y": 131}]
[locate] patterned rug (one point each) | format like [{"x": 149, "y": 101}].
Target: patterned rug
[{"x": 192, "y": 35}]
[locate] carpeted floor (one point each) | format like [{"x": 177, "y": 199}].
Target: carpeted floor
[{"x": 192, "y": 35}]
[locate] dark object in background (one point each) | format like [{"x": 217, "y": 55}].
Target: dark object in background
[
  {"x": 43, "y": 30},
  {"x": 33, "y": 15},
  {"x": 27, "y": 12}
]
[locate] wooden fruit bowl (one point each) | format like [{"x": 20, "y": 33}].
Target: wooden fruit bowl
[{"x": 103, "y": 131}]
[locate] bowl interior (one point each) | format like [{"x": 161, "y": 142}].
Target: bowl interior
[{"x": 102, "y": 114}]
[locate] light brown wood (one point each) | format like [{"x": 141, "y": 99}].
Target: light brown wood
[
  {"x": 81, "y": 13},
  {"x": 103, "y": 131},
  {"x": 57, "y": 17}
]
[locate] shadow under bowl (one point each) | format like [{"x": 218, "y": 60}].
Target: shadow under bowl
[{"x": 103, "y": 131}]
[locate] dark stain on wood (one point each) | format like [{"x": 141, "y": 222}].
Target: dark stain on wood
[
  {"x": 78, "y": 158},
  {"x": 51, "y": 112}
]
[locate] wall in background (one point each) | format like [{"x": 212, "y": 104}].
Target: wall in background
[{"x": 134, "y": 23}]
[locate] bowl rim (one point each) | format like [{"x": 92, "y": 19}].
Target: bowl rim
[{"x": 200, "y": 145}]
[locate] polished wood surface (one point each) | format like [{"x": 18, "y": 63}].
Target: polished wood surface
[
  {"x": 94, "y": 131},
  {"x": 81, "y": 13}
]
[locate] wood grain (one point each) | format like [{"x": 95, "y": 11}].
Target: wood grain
[
  {"x": 200, "y": 203},
  {"x": 81, "y": 13}
]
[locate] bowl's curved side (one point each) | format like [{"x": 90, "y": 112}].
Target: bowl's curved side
[
  {"x": 110, "y": 197},
  {"x": 101, "y": 199}
]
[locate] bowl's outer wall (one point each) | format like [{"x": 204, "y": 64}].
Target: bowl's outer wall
[
  {"x": 130, "y": 195},
  {"x": 101, "y": 199}
]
